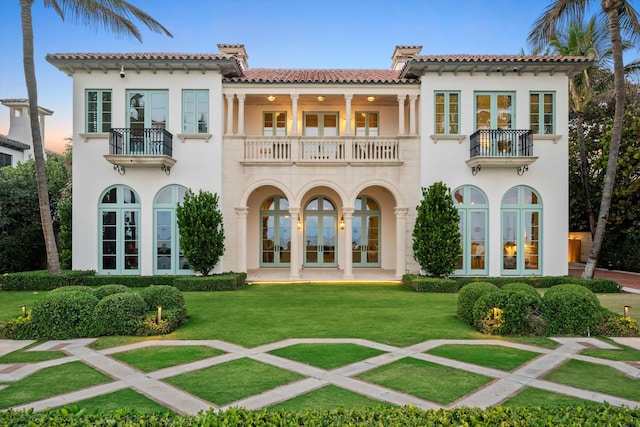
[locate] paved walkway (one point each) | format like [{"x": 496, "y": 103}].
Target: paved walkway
[
  {"x": 504, "y": 385},
  {"x": 628, "y": 280}
]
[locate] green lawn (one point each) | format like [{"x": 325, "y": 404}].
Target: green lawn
[
  {"x": 532, "y": 396},
  {"x": 328, "y": 398},
  {"x": 150, "y": 359},
  {"x": 126, "y": 398},
  {"x": 326, "y": 356},
  {"x": 491, "y": 356}
]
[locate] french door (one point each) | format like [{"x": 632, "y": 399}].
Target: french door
[{"x": 320, "y": 233}]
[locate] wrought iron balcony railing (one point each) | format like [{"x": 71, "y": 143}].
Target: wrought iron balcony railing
[
  {"x": 501, "y": 143},
  {"x": 140, "y": 142}
]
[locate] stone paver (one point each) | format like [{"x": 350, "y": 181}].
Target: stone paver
[{"x": 503, "y": 386}]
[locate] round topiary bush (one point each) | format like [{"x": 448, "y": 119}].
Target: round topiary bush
[
  {"x": 164, "y": 296},
  {"x": 64, "y": 315},
  {"x": 467, "y": 297},
  {"x": 509, "y": 312},
  {"x": 571, "y": 310},
  {"x": 520, "y": 287},
  {"x": 119, "y": 314},
  {"x": 106, "y": 290},
  {"x": 71, "y": 289}
]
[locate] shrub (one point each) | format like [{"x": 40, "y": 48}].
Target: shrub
[
  {"x": 520, "y": 287},
  {"x": 615, "y": 325},
  {"x": 64, "y": 315},
  {"x": 106, "y": 290},
  {"x": 73, "y": 288},
  {"x": 468, "y": 296},
  {"x": 17, "y": 328},
  {"x": 130, "y": 281},
  {"x": 571, "y": 310},
  {"x": 600, "y": 286},
  {"x": 431, "y": 284},
  {"x": 216, "y": 282},
  {"x": 509, "y": 312},
  {"x": 171, "y": 320},
  {"x": 42, "y": 280},
  {"x": 119, "y": 314},
  {"x": 162, "y": 296}
]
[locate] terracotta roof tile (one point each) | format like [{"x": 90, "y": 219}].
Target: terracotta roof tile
[
  {"x": 498, "y": 58},
  {"x": 138, "y": 56},
  {"x": 268, "y": 75}
]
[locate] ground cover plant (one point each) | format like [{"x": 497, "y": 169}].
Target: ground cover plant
[{"x": 326, "y": 356}]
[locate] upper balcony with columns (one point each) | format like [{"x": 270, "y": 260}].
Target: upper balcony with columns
[{"x": 304, "y": 116}]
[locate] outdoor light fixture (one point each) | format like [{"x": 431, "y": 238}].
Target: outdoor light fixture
[
  {"x": 341, "y": 223},
  {"x": 271, "y": 98},
  {"x": 371, "y": 98},
  {"x": 24, "y": 310},
  {"x": 626, "y": 310},
  {"x": 159, "y": 314},
  {"x": 321, "y": 98},
  {"x": 496, "y": 313},
  {"x": 299, "y": 223}
]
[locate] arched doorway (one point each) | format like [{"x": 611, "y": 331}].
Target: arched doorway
[
  {"x": 320, "y": 233},
  {"x": 473, "y": 209},
  {"x": 275, "y": 232},
  {"x": 521, "y": 231},
  {"x": 365, "y": 233}
]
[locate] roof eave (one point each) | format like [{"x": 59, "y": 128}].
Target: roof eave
[{"x": 416, "y": 68}]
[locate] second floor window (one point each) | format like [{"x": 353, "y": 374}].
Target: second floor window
[
  {"x": 321, "y": 124},
  {"x": 495, "y": 110},
  {"x": 195, "y": 111},
  {"x": 367, "y": 124},
  {"x": 98, "y": 109},
  {"x": 274, "y": 123},
  {"x": 447, "y": 113},
  {"x": 541, "y": 113}
]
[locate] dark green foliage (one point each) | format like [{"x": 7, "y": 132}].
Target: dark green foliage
[
  {"x": 20, "y": 227},
  {"x": 130, "y": 281},
  {"x": 73, "y": 288},
  {"x": 409, "y": 416},
  {"x": 162, "y": 296},
  {"x": 201, "y": 230},
  {"x": 171, "y": 320},
  {"x": 571, "y": 310},
  {"x": 509, "y": 312},
  {"x": 520, "y": 287},
  {"x": 468, "y": 296},
  {"x": 615, "y": 325},
  {"x": 119, "y": 314},
  {"x": 436, "y": 237},
  {"x": 430, "y": 284},
  {"x": 63, "y": 315},
  {"x": 42, "y": 280},
  {"x": 106, "y": 290},
  {"x": 216, "y": 282},
  {"x": 64, "y": 213}
]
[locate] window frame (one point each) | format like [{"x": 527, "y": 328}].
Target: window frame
[
  {"x": 446, "y": 125},
  {"x": 177, "y": 196},
  {"x": 542, "y": 130},
  {"x": 100, "y": 111},
  {"x": 192, "y": 126},
  {"x": 466, "y": 210},
  {"x": 3, "y": 160},
  {"x": 494, "y": 110},
  {"x": 274, "y": 129},
  {"x": 367, "y": 120},
  {"x": 321, "y": 115}
]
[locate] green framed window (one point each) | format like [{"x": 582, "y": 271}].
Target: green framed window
[
  {"x": 275, "y": 231},
  {"x": 147, "y": 109},
  {"x": 367, "y": 123},
  {"x": 274, "y": 123},
  {"x": 195, "y": 111},
  {"x": 320, "y": 233},
  {"x": 169, "y": 258},
  {"x": 365, "y": 233},
  {"x": 5, "y": 160},
  {"x": 98, "y": 108},
  {"x": 447, "y": 111},
  {"x": 321, "y": 124},
  {"x": 495, "y": 110},
  {"x": 521, "y": 220},
  {"x": 542, "y": 112},
  {"x": 119, "y": 222},
  {"x": 473, "y": 209}
]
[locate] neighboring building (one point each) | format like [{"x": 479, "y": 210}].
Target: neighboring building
[
  {"x": 319, "y": 168},
  {"x": 16, "y": 146}
]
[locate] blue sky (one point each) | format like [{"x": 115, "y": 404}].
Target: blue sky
[{"x": 276, "y": 34}]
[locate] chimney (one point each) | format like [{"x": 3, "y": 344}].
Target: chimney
[
  {"x": 237, "y": 51},
  {"x": 403, "y": 54}
]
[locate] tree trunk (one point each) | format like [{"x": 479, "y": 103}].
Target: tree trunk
[
  {"x": 611, "y": 8},
  {"x": 584, "y": 171},
  {"x": 53, "y": 261}
]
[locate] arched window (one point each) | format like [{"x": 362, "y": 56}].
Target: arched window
[
  {"x": 521, "y": 231},
  {"x": 275, "y": 229},
  {"x": 119, "y": 213},
  {"x": 320, "y": 233},
  {"x": 365, "y": 233},
  {"x": 474, "y": 216},
  {"x": 168, "y": 257}
]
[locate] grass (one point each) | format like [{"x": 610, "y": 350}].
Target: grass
[
  {"x": 231, "y": 381},
  {"x": 437, "y": 383},
  {"x": 10, "y": 302},
  {"x": 327, "y": 398},
  {"x": 150, "y": 359},
  {"x": 591, "y": 376},
  {"x": 623, "y": 354},
  {"x": 616, "y": 303},
  {"x": 58, "y": 379},
  {"x": 536, "y": 397},
  {"x": 326, "y": 356},
  {"x": 126, "y": 398},
  {"x": 23, "y": 356},
  {"x": 491, "y": 356}
]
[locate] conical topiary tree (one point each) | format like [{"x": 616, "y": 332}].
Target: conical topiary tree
[{"x": 436, "y": 236}]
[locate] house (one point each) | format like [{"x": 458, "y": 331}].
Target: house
[
  {"x": 319, "y": 169},
  {"x": 16, "y": 146}
]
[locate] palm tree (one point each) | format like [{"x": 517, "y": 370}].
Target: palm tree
[
  {"x": 620, "y": 17},
  {"x": 114, "y": 16}
]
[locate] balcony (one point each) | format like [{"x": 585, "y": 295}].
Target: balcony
[
  {"x": 340, "y": 150},
  {"x": 501, "y": 148},
  {"x": 146, "y": 147}
]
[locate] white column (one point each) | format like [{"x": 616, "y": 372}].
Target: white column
[
  {"x": 412, "y": 114},
  {"x": 229, "y": 130},
  {"x": 347, "y": 243},
  {"x": 294, "y": 269},
  {"x": 348, "y": 99},
  {"x": 401, "y": 127},
  {"x": 241, "y": 98},
  {"x": 241, "y": 241},
  {"x": 401, "y": 237},
  {"x": 294, "y": 113}
]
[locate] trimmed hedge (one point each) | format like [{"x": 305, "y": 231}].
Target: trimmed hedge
[
  {"x": 509, "y": 312},
  {"x": 63, "y": 315},
  {"x": 571, "y": 310},
  {"x": 430, "y": 284},
  {"x": 218, "y": 282},
  {"x": 119, "y": 314},
  {"x": 520, "y": 287},
  {"x": 106, "y": 290},
  {"x": 468, "y": 296},
  {"x": 73, "y": 288},
  {"x": 163, "y": 296},
  {"x": 409, "y": 416},
  {"x": 42, "y": 280}
]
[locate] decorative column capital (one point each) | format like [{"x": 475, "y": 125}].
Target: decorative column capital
[
  {"x": 241, "y": 97},
  {"x": 348, "y": 96},
  {"x": 401, "y": 98},
  {"x": 347, "y": 212},
  {"x": 241, "y": 212},
  {"x": 229, "y": 96},
  {"x": 400, "y": 212}
]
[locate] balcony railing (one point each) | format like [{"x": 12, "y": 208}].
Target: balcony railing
[
  {"x": 140, "y": 142},
  {"x": 322, "y": 149},
  {"x": 501, "y": 143}
]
